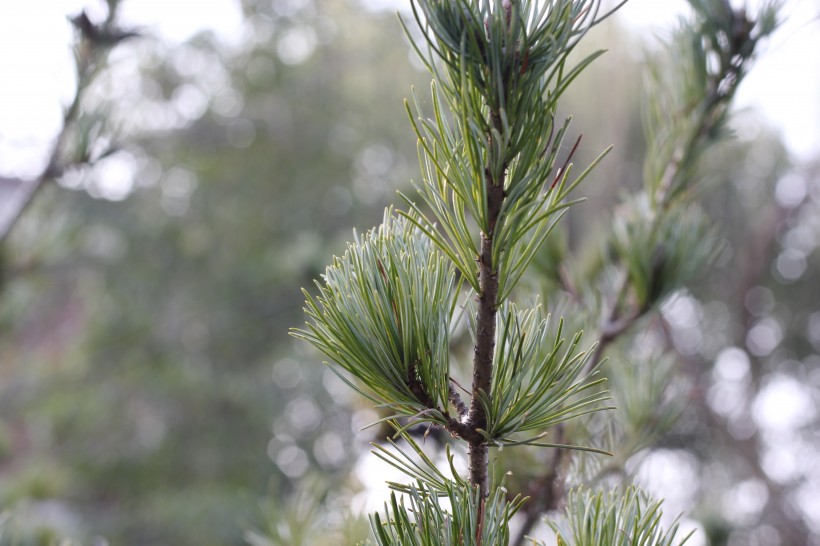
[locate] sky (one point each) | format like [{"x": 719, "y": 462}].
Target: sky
[{"x": 35, "y": 62}]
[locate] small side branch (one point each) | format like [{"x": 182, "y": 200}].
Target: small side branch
[
  {"x": 456, "y": 427},
  {"x": 457, "y": 402},
  {"x": 92, "y": 44}
]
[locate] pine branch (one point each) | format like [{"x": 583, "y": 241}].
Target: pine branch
[
  {"x": 729, "y": 35},
  {"x": 626, "y": 518},
  {"x": 489, "y": 158},
  {"x": 91, "y": 49}
]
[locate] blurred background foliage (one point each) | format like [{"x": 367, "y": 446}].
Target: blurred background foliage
[{"x": 149, "y": 393}]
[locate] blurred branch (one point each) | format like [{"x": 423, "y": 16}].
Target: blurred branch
[
  {"x": 546, "y": 492},
  {"x": 683, "y": 120},
  {"x": 91, "y": 47}
]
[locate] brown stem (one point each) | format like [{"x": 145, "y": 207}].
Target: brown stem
[
  {"x": 560, "y": 172},
  {"x": 487, "y": 303},
  {"x": 479, "y": 530},
  {"x": 456, "y": 427}
]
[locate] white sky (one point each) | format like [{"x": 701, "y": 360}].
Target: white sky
[{"x": 36, "y": 66}]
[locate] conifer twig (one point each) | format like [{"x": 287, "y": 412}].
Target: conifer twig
[
  {"x": 92, "y": 44},
  {"x": 709, "y": 114}
]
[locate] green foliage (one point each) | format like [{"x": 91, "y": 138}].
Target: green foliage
[
  {"x": 660, "y": 238},
  {"x": 383, "y": 316},
  {"x": 469, "y": 520},
  {"x": 649, "y": 393},
  {"x": 661, "y": 253},
  {"x": 616, "y": 518},
  {"x": 417, "y": 465},
  {"x": 293, "y": 524},
  {"x": 501, "y": 81},
  {"x": 690, "y": 91},
  {"x": 496, "y": 54},
  {"x": 303, "y": 519},
  {"x": 649, "y": 396},
  {"x": 538, "y": 382}
]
